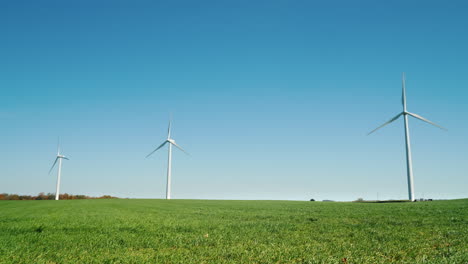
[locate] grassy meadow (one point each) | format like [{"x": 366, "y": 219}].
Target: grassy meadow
[{"x": 201, "y": 231}]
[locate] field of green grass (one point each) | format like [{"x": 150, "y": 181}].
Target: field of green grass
[{"x": 200, "y": 231}]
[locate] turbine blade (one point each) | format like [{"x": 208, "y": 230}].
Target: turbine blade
[
  {"x": 169, "y": 129},
  {"x": 160, "y": 146},
  {"x": 65, "y": 158},
  {"x": 179, "y": 147},
  {"x": 425, "y": 120},
  {"x": 388, "y": 122},
  {"x": 403, "y": 93},
  {"x": 55, "y": 162}
]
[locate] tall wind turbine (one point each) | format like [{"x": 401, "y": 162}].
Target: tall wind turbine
[
  {"x": 59, "y": 158},
  {"x": 169, "y": 159},
  {"x": 405, "y": 114}
]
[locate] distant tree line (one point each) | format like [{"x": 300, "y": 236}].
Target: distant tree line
[{"x": 50, "y": 196}]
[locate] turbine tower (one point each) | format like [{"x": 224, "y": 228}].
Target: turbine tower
[
  {"x": 169, "y": 159},
  {"x": 59, "y": 159},
  {"x": 405, "y": 114}
]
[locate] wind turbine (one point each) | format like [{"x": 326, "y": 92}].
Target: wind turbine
[
  {"x": 59, "y": 159},
  {"x": 405, "y": 114},
  {"x": 169, "y": 159}
]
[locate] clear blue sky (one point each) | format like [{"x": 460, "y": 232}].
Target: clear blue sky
[{"x": 273, "y": 99}]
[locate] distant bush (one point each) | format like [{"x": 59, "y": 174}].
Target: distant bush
[
  {"x": 50, "y": 196},
  {"x": 312, "y": 200}
]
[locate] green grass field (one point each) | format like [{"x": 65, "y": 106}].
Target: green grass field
[{"x": 199, "y": 231}]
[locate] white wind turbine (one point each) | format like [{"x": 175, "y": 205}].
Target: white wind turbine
[
  {"x": 59, "y": 159},
  {"x": 405, "y": 114},
  {"x": 169, "y": 159}
]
